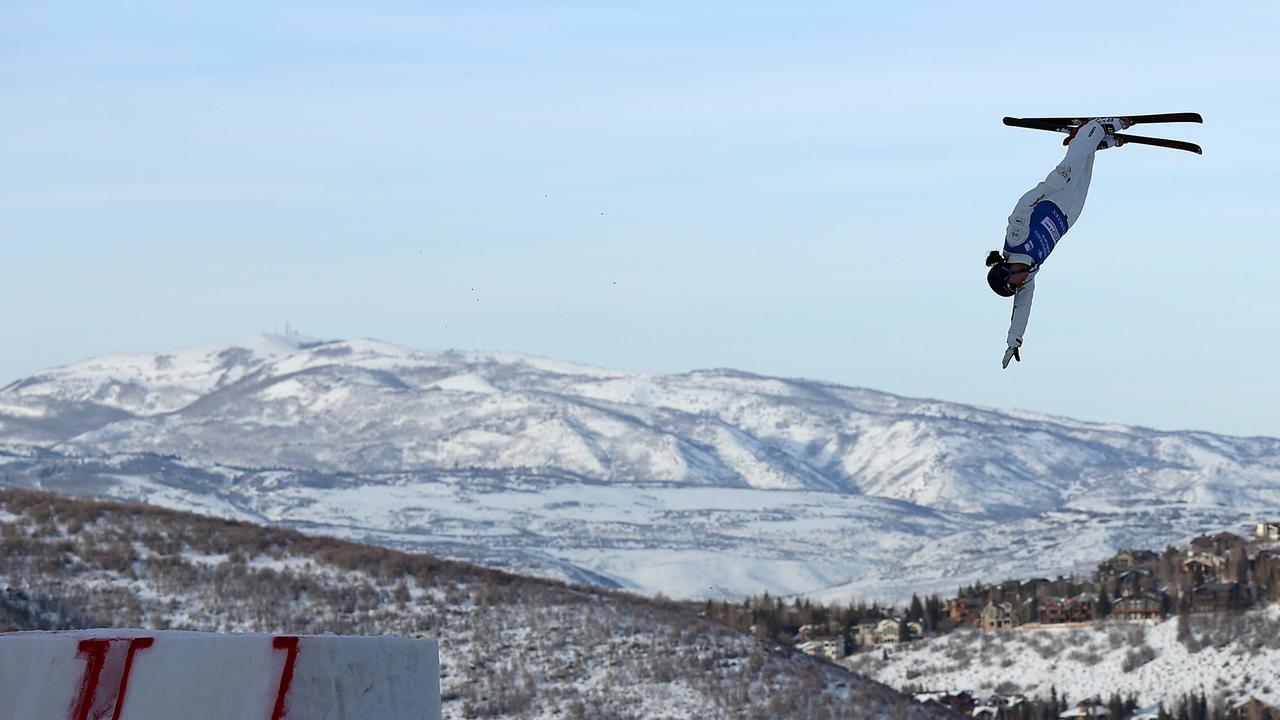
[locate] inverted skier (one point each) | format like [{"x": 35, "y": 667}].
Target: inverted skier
[{"x": 1040, "y": 219}]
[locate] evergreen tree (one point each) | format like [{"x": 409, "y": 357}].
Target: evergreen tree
[
  {"x": 916, "y": 612},
  {"x": 1115, "y": 707},
  {"x": 932, "y": 612}
]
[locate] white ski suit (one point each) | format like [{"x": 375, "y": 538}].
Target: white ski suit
[{"x": 1043, "y": 215}]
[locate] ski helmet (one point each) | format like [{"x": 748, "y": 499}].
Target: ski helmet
[{"x": 998, "y": 278}]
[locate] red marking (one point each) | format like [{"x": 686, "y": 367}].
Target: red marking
[
  {"x": 135, "y": 645},
  {"x": 95, "y": 699},
  {"x": 95, "y": 652},
  {"x": 286, "y": 675}
]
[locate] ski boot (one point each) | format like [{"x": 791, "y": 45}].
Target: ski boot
[{"x": 1111, "y": 125}]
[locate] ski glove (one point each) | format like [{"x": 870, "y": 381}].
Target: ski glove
[{"x": 1010, "y": 354}]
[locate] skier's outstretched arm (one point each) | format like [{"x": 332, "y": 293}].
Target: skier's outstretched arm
[{"x": 1018, "y": 322}]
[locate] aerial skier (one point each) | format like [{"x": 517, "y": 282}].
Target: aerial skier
[
  {"x": 1040, "y": 219},
  {"x": 1043, "y": 215}
]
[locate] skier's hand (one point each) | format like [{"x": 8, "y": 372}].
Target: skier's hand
[{"x": 1010, "y": 354}]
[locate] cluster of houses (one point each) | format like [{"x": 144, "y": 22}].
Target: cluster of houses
[
  {"x": 1214, "y": 573},
  {"x": 885, "y": 631}
]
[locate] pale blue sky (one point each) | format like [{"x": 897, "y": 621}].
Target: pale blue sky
[{"x": 793, "y": 189}]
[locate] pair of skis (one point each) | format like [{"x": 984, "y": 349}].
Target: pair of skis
[{"x": 1067, "y": 124}]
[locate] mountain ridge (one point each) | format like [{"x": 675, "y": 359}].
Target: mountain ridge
[{"x": 282, "y": 428}]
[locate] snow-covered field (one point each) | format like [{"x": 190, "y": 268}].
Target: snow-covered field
[{"x": 1228, "y": 656}]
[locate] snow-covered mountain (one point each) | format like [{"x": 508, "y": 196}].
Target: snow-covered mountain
[{"x": 712, "y": 482}]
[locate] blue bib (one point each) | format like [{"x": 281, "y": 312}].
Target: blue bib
[{"x": 1047, "y": 226}]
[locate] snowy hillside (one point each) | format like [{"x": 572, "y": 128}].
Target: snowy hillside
[
  {"x": 509, "y": 646},
  {"x": 714, "y": 483},
  {"x": 1225, "y": 656}
]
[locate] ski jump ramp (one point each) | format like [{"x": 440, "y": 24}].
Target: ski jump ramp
[{"x": 140, "y": 675}]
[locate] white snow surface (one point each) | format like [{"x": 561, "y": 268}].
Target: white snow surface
[{"x": 712, "y": 482}]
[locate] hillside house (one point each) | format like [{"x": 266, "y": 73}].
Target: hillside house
[
  {"x": 1086, "y": 709},
  {"x": 1064, "y": 610},
  {"x": 1130, "y": 582},
  {"x": 1035, "y": 587},
  {"x": 1050, "y": 610},
  {"x": 810, "y": 647},
  {"x": 999, "y": 616},
  {"x": 965, "y": 610},
  {"x": 1007, "y": 589},
  {"x": 961, "y": 702},
  {"x": 1081, "y": 608},
  {"x": 1203, "y": 567},
  {"x": 864, "y": 634},
  {"x": 1145, "y": 605},
  {"x": 1266, "y": 532},
  {"x": 1217, "y": 544},
  {"x": 1266, "y": 566},
  {"x": 831, "y": 648},
  {"x": 1251, "y": 708},
  {"x": 890, "y": 631},
  {"x": 1127, "y": 560},
  {"x": 1219, "y": 596},
  {"x": 1003, "y": 707}
]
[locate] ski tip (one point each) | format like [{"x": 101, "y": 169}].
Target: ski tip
[{"x": 1022, "y": 122}]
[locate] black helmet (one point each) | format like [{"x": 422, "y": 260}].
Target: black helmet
[{"x": 998, "y": 275}]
